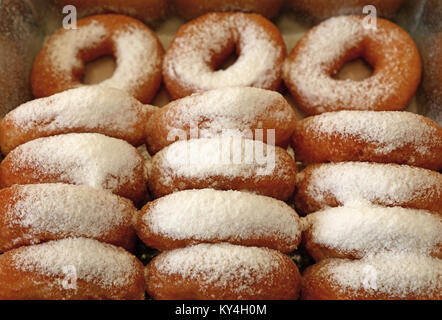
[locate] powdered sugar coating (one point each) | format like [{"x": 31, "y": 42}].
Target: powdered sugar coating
[
  {"x": 389, "y": 130},
  {"x": 309, "y": 72},
  {"x": 222, "y": 265},
  {"x": 394, "y": 274},
  {"x": 374, "y": 182},
  {"x": 367, "y": 229},
  {"x": 188, "y": 61},
  {"x": 67, "y": 210},
  {"x": 211, "y": 214},
  {"x": 102, "y": 264},
  {"x": 80, "y": 158}
]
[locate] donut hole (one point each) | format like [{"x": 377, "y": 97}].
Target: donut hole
[
  {"x": 99, "y": 69},
  {"x": 356, "y": 70},
  {"x": 226, "y": 58}
]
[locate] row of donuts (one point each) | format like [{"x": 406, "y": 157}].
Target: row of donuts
[
  {"x": 151, "y": 11},
  {"x": 193, "y": 62}
]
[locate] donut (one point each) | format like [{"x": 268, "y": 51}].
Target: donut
[
  {"x": 222, "y": 272},
  {"x": 149, "y": 11},
  {"x": 190, "y": 9},
  {"x": 88, "y": 159},
  {"x": 224, "y": 163},
  {"x": 35, "y": 213},
  {"x": 71, "y": 269},
  {"x": 385, "y": 137},
  {"x": 395, "y": 276},
  {"x": 253, "y": 112},
  {"x": 335, "y": 184},
  {"x": 60, "y": 64},
  {"x": 322, "y": 9},
  {"x": 309, "y": 69},
  {"x": 196, "y": 216},
  {"x": 360, "y": 230},
  {"x": 192, "y": 62},
  {"x": 108, "y": 111}
]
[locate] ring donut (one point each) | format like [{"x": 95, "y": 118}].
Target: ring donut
[
  {"x": 309, "y": 69},
  {"x": 190, "y": 9},
  {"x": 225, "y": 164},
  {"x": 385, "y": 137},
  {"x": 200, "y": 46},
  {"x": 196, "y": 216},
  {"x": 396, "y": 276},
  {"x": 35, "y": 213},
  {"x": 60, "y": 64},
  {"x": 87, "y": 109},
  {"x": 335, "y": 184},
  {"x": 222, "y": 272},
  {"x": 71, "y": 269},
  {"x": 323, "y": 9},
  {"x": 150, "y": 11},
  {"x": 88, "y": 159},
  {"x": 250, "y": 111},
  {"x": 360, "y": 230}
]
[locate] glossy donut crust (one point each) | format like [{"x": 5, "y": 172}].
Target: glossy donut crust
[
  {"x": 163, "y": 181},
  {"x": 323, "y": 9},
  {"x": 284, "y": 284},
  {"x": 338, "y": 147},
  {"x": 317, "y": 286},
  {"x": 18, "y": 284},
  {"x": 178, "y": 88},
  {"x": 46, "y": 80},
  {"x": 173, "y": 117},
  {"x": 13, "y": 133},
  {"x": 18, "y": 235},
  {"x": 306, "y": 202},
  {"x": 191, "y": 9}
]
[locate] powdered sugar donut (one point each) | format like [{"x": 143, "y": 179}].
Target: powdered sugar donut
[
  {"x": 309, "y": 69},
  {"x": 70, "y": 269},
  {"x": 335, "y": 184},
  {"x": 201, "y": 45},
  {"x": 383, "y": 277},
  {"x": 223, "y": 163},
  {"x": 190, "y": 9},
  {"x": 359, "y": 230},
  {"x": 138, "y": 52},
  {"x": 150, "y": 11},
  {"x": 34, "y": 213},
  {"x": 78, "y": 158},
  {"x": 386, "y": 137},
  {"x": 196, "y": 216},
  {"x": 97, "y": 109},
  {"x": 252, "y": 112},
  {"x": 222, "y": 272}
]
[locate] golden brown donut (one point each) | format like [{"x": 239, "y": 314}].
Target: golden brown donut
[
  {"x": 222, "y": 272},
  {"x": 78, "y": 158},
  {"x": 223, "y": 163},
  {"x": 70, "y": 269},
  {"x": 150, "y": 11},
  {"x": 334, "y": 184},
  {"x": 309, "y": 69},
  {"x": 396, "y": 276},
  {"x": 35, "y": 213},
  {"x": 103, "y": 110},
  {"x": 385, "y": 137},
  {"x": 191, "y": 9},
  {"x": 253, "y": 112},
  {"x": 138, "y": 53},
  {"x": 209, "y": 216},
  {"x": 192, "y": 62},
  {"x": 323, "y": 9},
  {"x": 360, "y": 229}
]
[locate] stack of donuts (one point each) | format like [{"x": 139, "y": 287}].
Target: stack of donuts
[{"x": 218, "y": 188}]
